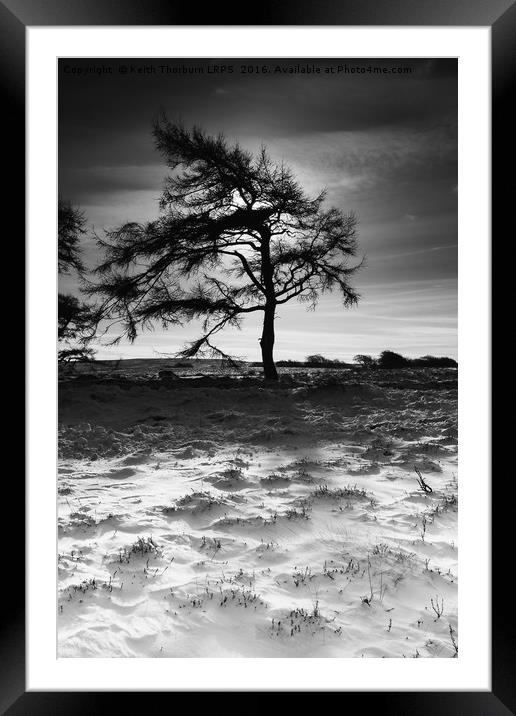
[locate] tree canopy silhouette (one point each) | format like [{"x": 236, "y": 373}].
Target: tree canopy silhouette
[
  {"x": 70, "y": 226},
  {"x": 236, "y": 235},
  {"x": 76, "y": 320}
]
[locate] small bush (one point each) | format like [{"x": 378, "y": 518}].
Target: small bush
[
  {"x": 365, "y": 361},
  {"x": 389, "y": 359}
]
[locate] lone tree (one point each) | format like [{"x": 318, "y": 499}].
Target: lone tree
[
  {"x": 236, "y": 234},
  {"x": 76, "y": 320}
]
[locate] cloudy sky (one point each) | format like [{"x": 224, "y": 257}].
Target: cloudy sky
[{"x": 384, "y": 144}]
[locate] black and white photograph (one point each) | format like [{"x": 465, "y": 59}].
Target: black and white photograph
[{"x": 257, "y": 358}]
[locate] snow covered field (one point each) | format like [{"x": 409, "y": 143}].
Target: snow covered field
[{"x": 219, "y": 516}]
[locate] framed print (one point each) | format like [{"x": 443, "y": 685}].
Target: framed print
[{"x": 258, "y": 445}]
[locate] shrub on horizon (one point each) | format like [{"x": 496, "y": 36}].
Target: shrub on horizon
[
  {"x": 365, "y": 361},
  {"x": 390, "y": 359}
]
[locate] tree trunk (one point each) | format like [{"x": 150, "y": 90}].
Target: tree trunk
[
  {"x": 267, "y": 343},
  {"x": 267, "y": 339}
]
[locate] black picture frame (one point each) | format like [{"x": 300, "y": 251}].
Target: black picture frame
[{"x": 500, "y": 15}]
